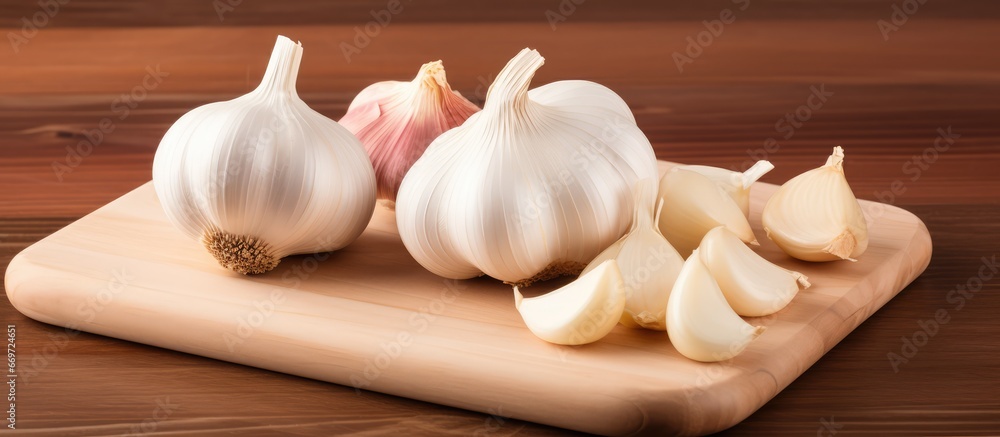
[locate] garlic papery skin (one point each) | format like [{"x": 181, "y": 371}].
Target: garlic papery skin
[
  {"x": 396, "y": 121},
  {"x": 753, "y": 286},
  {"x": 532, "y": 187},
  {"x": 648, "y": 263},
  {"x": 694, "y": 204},
  {"x": 580, "y": 312},
  {"x": 700, "y": 323},
  {"x": 815, "y": 216},
  {"x": 736, "y": 184},
  {"x": 263, "y": 176}
]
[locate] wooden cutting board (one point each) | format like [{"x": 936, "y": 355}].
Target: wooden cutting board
[{"x": 370, "y": 317}]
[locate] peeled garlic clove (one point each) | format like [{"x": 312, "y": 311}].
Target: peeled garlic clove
[
  {"x": 753, "y": 286},
  {"x": 815, "y": 216},
  {"x": 700, "y": 323},
  {"x": 581, "y": 312},
  {"x": 263, "y": 176},
  {"x": 397, "y": 120},
  {"x": 648, "y": 263},
  {"x": 734, "y": 183},
  {"x": 532, "y": 187},
  {"x": 693, "y": 205}
]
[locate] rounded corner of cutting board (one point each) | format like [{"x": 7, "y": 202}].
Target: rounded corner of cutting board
[
  {"x": 920, "y": 245},
  {"x": 19, "y": 282},
  {"x": 922, "y": 234}
]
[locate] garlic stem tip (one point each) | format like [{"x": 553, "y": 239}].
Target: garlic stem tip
[
  {"x": 802, "y": 280},
  {"x": 512, "y": 82},
  {"x": 432, "y": 74},
  {"x": 518, "y": 297},
  {"x": 754, "y": 173},
  {"x": 836, "y": 159}
]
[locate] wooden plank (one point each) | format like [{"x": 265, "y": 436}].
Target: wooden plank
[
  {"x": 98, "y": 13},
  {"x": 124, "y": 272}
]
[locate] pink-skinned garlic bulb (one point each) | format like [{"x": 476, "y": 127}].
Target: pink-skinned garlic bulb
[{"x": 396, "y": 121}]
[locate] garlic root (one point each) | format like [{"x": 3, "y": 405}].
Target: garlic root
[
  {"x": 552, "y": 271},
  {"x": 240, "y": 253},
  {"x": 842, "y": 246}
]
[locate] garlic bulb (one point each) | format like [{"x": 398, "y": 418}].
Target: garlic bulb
[
  {"x": 397, "y": 120},
  {"x": 532, "y": 187},
  {"x": 736, "y": 184},
  {"x": 649, "y": 264},
  {"x": 263, "y": 176},
  {"x": 693, "y": 204},
  {"x": 815, "y": 216},
  {"x": 753, "y": 286},
  {"x": 700, "y": 323},
  {"x": 581, "y": 312}
]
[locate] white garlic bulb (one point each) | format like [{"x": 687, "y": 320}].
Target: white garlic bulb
[
  {"x": 648, "y": 263},
  {"x": 580, "y": 312},
  {"x": 736, "y": 184},
  {"x": 693, "y": 204},
  {"x": 753, "y": 286},
  {"x": 700, "y": 323},
  {"x": 396, "y": 121},
  {"x": 263, "y": 176},
  {"x": 532, "y": 187},
  {"x": 815, "y": 216}
]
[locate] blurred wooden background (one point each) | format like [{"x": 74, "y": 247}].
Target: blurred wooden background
[{"x": 889, "y": 87}]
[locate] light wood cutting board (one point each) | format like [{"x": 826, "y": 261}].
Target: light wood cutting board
[{"x": 370, "y": 317}]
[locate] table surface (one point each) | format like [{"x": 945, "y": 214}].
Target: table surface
[{"x": 890, "y": 89}]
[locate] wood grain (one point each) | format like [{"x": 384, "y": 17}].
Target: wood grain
[
  {"x": 103, "y": 13},
  {"x": 342, "y": 318},
  {"x": 941, "y": 69}
]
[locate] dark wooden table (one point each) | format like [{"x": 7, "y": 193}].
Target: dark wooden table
[{"x": 894, "y": 80}]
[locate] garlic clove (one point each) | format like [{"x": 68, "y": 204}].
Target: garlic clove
[
  {"x": 581, "y": 312},
  {"x": 264, "y": 176},
  {"x": 693, "y": 204},
  {"x": 753, "y": 286},
  {"x": 700, "y": 323},
  {"x": 648, "y": 263},
  {"x": 736, "y": 184},
  {"x": 815, "y": 216},
  {"x": 396, "y": 121},
  {"x": 532, "y": 187}
]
